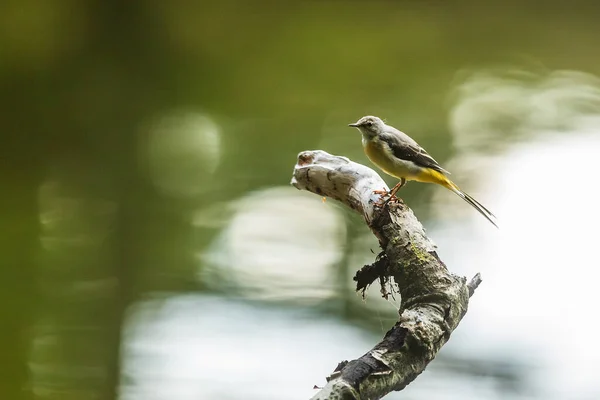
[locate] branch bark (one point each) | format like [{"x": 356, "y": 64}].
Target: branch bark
[{"x": 433, "y": 299}]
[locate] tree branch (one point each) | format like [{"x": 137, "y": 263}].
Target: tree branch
[{"x": 433, "y": 300}]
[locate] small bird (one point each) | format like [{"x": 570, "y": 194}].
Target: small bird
[{"x": 398, "y": 155}]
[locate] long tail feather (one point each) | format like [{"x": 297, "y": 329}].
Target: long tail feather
[
  {"x": 433, "y": 176},
  {"x": 474, "y": 203},
  {"x": 477, "y": 205}
]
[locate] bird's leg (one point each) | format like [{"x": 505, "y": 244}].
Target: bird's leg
[
  {"x": 394, "y": 191},
  {"x": 396, "y": 188},
  {"x": 391, "y": 193}
]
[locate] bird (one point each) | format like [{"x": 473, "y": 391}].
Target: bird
[{"x": 400, "y": 156}]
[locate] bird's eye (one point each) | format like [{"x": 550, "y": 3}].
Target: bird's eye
[{"x": 369, "y": 123}]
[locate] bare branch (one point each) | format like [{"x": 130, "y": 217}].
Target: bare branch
[{"x": 433, "y": 300}]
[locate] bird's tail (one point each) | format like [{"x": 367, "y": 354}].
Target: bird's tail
[{"x": 474, "y": 203}]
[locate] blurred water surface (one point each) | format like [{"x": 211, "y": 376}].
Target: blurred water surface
[{"x": 152, "y": 247}]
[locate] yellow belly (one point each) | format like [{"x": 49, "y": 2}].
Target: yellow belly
[
  {"x": 380, "y": 155},
  {"x": 378, "y": 152}
]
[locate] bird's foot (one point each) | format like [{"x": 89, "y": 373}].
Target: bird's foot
[{"x": 383, "y": 194}]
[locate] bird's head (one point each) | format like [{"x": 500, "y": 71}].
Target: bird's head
[{"x": 369, "y": 126}]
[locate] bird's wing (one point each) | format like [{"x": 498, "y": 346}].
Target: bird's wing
[{"x": 408, "y": 150}]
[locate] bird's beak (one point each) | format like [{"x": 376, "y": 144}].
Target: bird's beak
[{"x": 354, "y": 125}]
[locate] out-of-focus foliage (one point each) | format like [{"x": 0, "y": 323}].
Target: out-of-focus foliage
[{"x": 141, "y": 144}]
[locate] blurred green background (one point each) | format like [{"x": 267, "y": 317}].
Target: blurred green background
[{"x": 151, "y": 247}]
